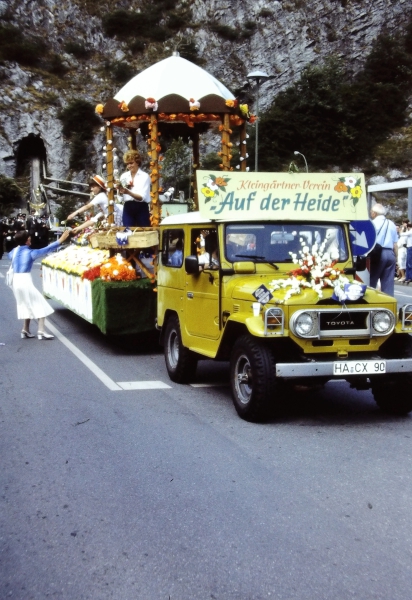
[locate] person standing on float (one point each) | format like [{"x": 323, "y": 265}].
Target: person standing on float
[
  {"x": 135, "y": 187},
  {"x": 386, "y": 235}
]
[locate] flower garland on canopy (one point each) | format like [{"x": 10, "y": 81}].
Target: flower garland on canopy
[{"x": 316, "y": 271}]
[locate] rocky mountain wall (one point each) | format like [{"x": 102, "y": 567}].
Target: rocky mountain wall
[{"x": 285, "y": 36}]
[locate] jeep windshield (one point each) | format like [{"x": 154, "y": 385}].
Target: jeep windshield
[{"x": 278, "y": 242}]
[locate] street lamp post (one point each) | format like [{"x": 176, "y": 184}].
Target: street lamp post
[
  {"x": 258, "y": 77},
  {"x": 306, "y": 164}
]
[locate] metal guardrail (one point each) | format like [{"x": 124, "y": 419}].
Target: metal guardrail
[
  {"x": 65, "y": 182},
  {"x": 64, "y": 191}
]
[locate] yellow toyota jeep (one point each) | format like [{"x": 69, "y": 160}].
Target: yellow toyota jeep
[{"x": 278, "y": 296}]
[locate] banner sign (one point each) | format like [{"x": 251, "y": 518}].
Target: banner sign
[{"x": 241, "y": 196}]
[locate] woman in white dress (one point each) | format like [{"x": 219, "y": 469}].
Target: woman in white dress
[
  {"x": 402, "y": 241},
  {"x": 30, "y": 302}
]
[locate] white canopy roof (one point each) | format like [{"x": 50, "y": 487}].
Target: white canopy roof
[{"x": 173, "y": 75}]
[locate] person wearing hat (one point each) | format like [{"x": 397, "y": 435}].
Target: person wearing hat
[
  {"x": 135, "y": 187},
  {"x": 100, "y": 200},
  {"x": 383, "y": 268}
]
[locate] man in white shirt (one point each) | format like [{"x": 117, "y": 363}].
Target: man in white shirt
[
  {"x": 383, "y": 269},
  {"x": 135, "y": 187}
]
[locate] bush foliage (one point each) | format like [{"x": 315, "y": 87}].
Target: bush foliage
[
  {"x": 10, "y": 195},
  {"x": 156, "y": 21},
  {"x": 79, "y": 126},
  {"x": 336, "y": 118},
  {"x": 16, "y": 47}
]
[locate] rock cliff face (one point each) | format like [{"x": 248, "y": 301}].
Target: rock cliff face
[{"x": 282, "y": 38}]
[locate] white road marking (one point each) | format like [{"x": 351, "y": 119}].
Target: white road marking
[
  {"x": 112, "y": 385},
  {"x": 143, "y": 385}
]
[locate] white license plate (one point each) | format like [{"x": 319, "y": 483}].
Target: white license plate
[{"x": 359, "y": 367}]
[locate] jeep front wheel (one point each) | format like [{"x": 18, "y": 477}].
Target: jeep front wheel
[
  {"x": 180, "y": 361},
  {"x": 392, "y": 393},
  {"x": 252, "y": 377}
]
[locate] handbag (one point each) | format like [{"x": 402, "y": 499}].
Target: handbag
[
  {"x": 10, "y": 272},
  {"x": 376, "y": 252},
  {"x": 9, "y": 276}
]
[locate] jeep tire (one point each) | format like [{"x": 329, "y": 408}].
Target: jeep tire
[
  {"x": 252, "y": 377},
  {"x": 181, "y": 363},
  {"x": 392, "y": 393}
]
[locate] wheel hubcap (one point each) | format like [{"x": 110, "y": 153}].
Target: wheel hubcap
[
  {"x": 173, "y": 352},
  {"x": 243, "y": 379}
]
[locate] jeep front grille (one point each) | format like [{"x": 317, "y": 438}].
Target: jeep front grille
[{"x": 350, "y": 323}]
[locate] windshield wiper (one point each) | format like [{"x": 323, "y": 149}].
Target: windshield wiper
[{"x": 258, "y": 258}]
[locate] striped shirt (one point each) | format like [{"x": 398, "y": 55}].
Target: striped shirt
[{"x": 25, "y": 256}]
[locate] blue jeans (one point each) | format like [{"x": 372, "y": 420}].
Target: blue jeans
[
  {"x": 384, "y": 270},
  {"x": 408, "y": 273}
]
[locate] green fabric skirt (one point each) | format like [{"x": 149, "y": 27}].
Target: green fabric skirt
[{"x": 124, "y": 307}]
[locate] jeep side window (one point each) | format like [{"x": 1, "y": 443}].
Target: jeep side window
[
  {"x": 172, "y": 247},
  {"x": 204, "y": 246}
]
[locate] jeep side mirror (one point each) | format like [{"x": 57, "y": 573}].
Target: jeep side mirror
[
  {"x": 360, "y": 263},
  {"x": 192, "y": 265}
]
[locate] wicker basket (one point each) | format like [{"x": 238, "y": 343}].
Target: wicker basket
[{"x": 139, "y": 238}]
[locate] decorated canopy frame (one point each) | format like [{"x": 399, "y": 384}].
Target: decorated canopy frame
[{"x": 174, "y": 109}]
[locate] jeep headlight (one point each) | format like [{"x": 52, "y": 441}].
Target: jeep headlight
[
  {"x": 305, "y": 324},
  {"x": 274, "y": 321},
  {"x": 383, "y": 322}
]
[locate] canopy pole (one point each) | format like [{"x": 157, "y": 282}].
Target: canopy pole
[
  {"x": 154, "y": 174},
  {"x": 110, "y": 172},
  {"x": 196, "y": 166},
  {"x": 243, "y": 148},
  {"x": 226, "y": 144}
]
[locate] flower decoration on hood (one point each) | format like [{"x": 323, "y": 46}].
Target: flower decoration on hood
[
  {"x": 316, "y": 271},
  {"x": 99, "y": 109},
  {"x": 352, "y": 291}
]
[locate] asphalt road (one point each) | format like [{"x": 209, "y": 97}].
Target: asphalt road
[{"x": 163, "y": 493}]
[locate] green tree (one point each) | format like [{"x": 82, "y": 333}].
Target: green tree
[
  {"x": 65, "y": 206},
  {"x": 79, "y": 126},
  {"x": 10, "y": 195},
  {"x": 336, "y": 118},
  {"x": 176, "y": 166},
  {"x": 210, "y": 161}
]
